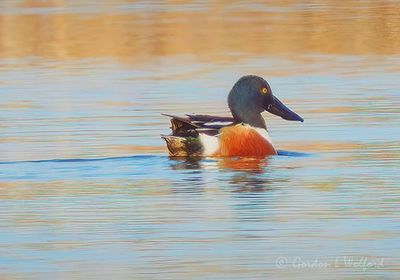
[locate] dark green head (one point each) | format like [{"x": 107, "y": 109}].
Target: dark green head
[{"x": 251, "y": 96}]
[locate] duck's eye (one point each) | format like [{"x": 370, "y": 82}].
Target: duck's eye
[{"x": 264, "y": 90}]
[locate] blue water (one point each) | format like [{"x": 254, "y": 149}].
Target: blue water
[{"x": 151, "y": 215}]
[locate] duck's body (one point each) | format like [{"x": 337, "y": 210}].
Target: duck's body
[
  {"x": 244, "y": 134},
  {"x": 193, "y": 137}
]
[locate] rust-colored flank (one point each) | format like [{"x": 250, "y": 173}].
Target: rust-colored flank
[{"x": 243, "y": 140}]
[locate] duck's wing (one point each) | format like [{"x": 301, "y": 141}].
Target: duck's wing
[
  {"x": 192, "y": 125},
  {"x": 210, "y": 119},
  {"x": 192, "y": 134}
]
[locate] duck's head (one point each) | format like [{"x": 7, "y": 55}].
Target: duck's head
[{"x": 252, "y": 95}]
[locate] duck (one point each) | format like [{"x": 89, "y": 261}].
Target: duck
[{"x": 244, "y": 134}]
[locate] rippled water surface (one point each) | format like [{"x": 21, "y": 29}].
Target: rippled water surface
[{"x": 87, "y": 189}]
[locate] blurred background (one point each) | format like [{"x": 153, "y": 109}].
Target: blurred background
[{"x": 86, "y": 185}]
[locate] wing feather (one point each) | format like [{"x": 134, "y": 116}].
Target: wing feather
[{"x": 192, "y": 125}]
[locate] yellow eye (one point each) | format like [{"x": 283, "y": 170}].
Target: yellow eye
[{"x": 264, "y": 90}]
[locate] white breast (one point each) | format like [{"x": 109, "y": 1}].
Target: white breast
[{"x": 264, "y": 133}]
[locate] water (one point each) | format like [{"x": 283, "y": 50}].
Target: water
[{"x": 87, "y": 189}]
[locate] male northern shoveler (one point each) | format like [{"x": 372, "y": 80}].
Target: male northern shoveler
[{"x": 244, "y": 134}]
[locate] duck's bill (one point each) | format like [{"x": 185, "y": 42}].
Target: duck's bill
[{"x": 279, "y": 109}]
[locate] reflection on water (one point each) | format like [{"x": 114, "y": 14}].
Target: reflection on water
[
  {"x": 212, "y": 30},
  {"x": 87, "y": 189}
]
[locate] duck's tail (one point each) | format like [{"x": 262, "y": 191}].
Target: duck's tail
[{"x": 183, "y": 146}]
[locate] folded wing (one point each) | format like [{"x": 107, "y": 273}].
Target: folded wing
[
  {"x": 192, "y": 125},
  {"x": 184, "y": 139}
]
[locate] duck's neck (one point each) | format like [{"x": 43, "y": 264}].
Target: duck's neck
[{"x": 252, "y": 119}]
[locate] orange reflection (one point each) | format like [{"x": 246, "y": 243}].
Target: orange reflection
[
  {"x": 249, "y": 164},
  {"x": 213, "y": 31}
]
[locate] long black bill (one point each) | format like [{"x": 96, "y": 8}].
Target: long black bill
[{"x": 277, "y": 108}]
